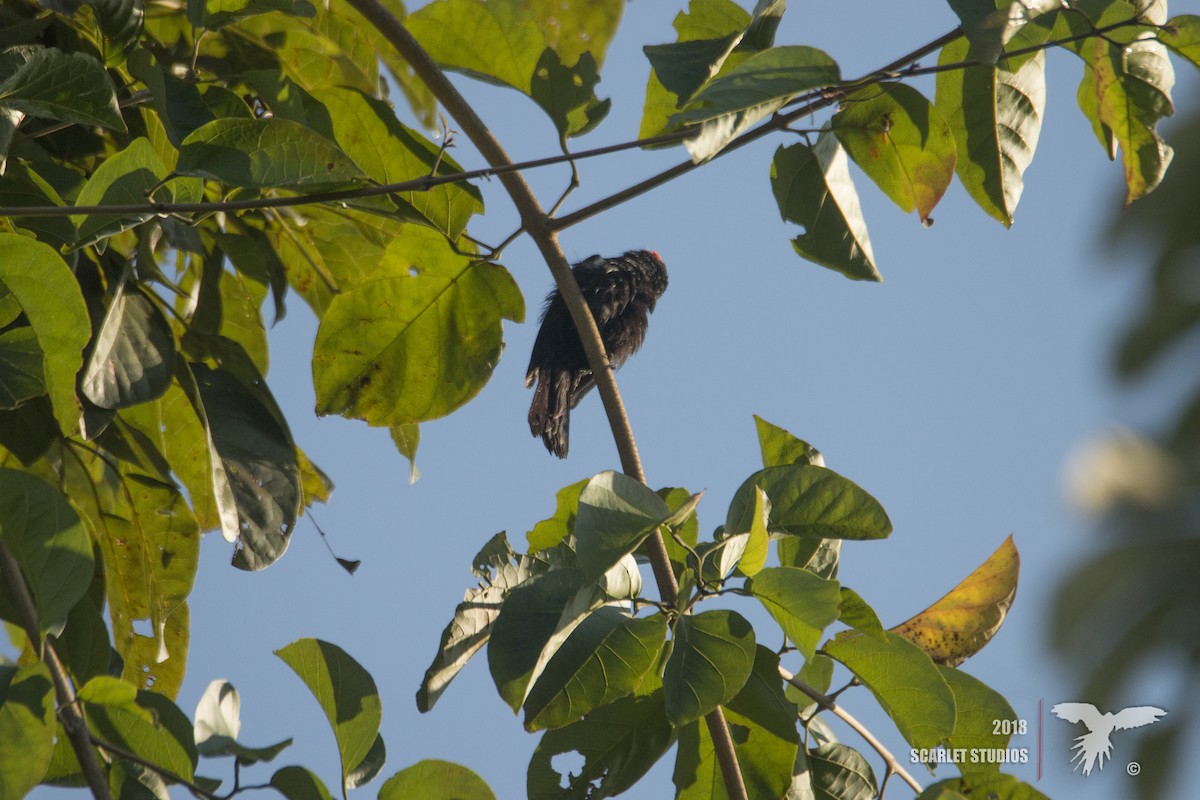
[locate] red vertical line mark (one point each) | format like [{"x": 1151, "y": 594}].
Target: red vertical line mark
[{"x": 1039, "y": 769}]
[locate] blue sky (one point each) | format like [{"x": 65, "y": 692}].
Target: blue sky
[{"x": 952, "y": 392}]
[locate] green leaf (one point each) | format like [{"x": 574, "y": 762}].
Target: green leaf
[
  {"x": 901, "y": 141},
  {"x": 407, "y": 437},
  {"x": 687, "y": 528},
  {"x": 417, "y": 339},
  {"x": 839, "y": 772},
  {"x": 369, "y": 767},
  {"x": 619, "y": 743},
  {"x": 567, "y": 94},
  {"x": 605, "y": 658},
  {"x": 990, "y": 24},
  {"x": 133, "y": 353},
  {"x": 813, "y": 189},
  {"x": 435, "y": 780},
  {"x": 20, "y": 367},
  {"x": 149, "y": 726},
  {"x": 1129, "y": 91},
  {"x": 706, "y": 34},
  {"x": 780, "y": 448},
  {"x": 978, "y": 708},
  {"x": 992, "y": 786},
  {"x": 616, "y": 513},
  {"x": 556, "y": 529},
  {"x": 498, "y": 42},
  {"x": 996, "y": 117},
  {"x": 907, "y": 684},
  {"x": 150, "y": 543},
  {"x": 71, "y": 87},
  {"x": 528, "y": 618},
  {"x": 858, "y": 615},
  {"x": 757, "y": 542},
  {"x": 44, "y": 535},
  {"x": 1182, "y": 35},
  {"x": 257, "y": 458},
  {"x": 754, "y": 89},
  {"x": 298, "y": 783},
  {"x": 575, "y": 29},
  {"x": 346, "y": 692},
  {"x": 810, "y": 500},
  {"x": 125, "y": 178},
  {"x": 499, "y": 570},
  {"x": 22, "y": 186},
  {"x": 49, "y": 295},
  {"x": 181, "y": 108},
  {"x": 218, "y": 722},
  {"x": 265, "y": 153},
  {"x": 26, "y": 727},
  {"x": 215, "y": 14},
  {"x": 803, "y": 604},
  {"x": 762, "y": 724},
  {"x": 388, "y": 152},
  {"x": 711, "y": 658}
]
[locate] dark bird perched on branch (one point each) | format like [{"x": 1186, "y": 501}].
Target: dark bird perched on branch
[{"x": 621, "y": 292}]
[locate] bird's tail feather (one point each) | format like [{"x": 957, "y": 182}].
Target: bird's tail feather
[{"x": 550, "y": 411}]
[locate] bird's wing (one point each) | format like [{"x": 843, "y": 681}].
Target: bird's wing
[
  {"x": 1136, "y": 717},
  {"x": 1078, "y": 712}
]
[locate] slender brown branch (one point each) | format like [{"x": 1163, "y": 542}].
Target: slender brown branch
[
  {"x": 726, "y": 755},
  {"x": 162, "y": 772},
  {"x": 421, "y": 184},
  {"x": 72, "y": 720},
  {"x": 830, "y": 705}
]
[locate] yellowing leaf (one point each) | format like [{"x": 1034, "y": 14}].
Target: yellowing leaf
[{"x": 958, "y": 626}]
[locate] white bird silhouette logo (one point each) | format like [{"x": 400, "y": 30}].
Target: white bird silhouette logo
[{"x": 1094, "y": 746}]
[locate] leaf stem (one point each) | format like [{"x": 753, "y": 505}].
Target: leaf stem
[{"x": 830, "y": 705}]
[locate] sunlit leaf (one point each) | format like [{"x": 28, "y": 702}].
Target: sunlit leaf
[
  {"x": 904, "y": 680},
  {"x": 980, "y": 712},
  {"x": 813, "y": 189},
  {"x": 345, "y": 691},
  {"x": 615, "y": 514},
  {"x": 1182, "y": 35},
  {"x": 958, "y": 626},
  {"x": 435, "y": 780},
  {"x": 996, "y": 116},
  {"x": 992, "y": 786},
  {"x": 265, "y": 153},
  {"x": 810, "y": 500},
  {"x": 901, "y": 142},
  {"x": 124, "y": 178},
  {"x": 49, "y": 295},
  {"x": 802, "y": 603},
  {"x": 711, "y": 658},
  {"x": 499, "y": 570},
  {"x": 780, "y": 448},
  {"x": 418, "y": 338},
  {"x": 497, "y": 41}
]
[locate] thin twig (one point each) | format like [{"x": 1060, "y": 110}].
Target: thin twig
[
  {"x": 68, "y": 711},
  {"x": 831, "y": 706},
  {"x": 162, "y": 772}
]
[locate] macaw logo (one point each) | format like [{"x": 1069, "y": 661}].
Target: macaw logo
[{"x": 1094, "y": 746}]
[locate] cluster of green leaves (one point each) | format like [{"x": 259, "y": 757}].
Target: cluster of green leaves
[
  {"x": 139, "y": 728},
  {"x": 568, "y": 644},
  {"x": 724, "y": 74},
  {"x": 192, "y": 163}
]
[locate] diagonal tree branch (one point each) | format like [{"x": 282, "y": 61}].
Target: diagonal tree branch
[
  {"x": 830, "y": 705},
  {"x": 537, "y": 224},
  {"x": 68, "y": 711}
]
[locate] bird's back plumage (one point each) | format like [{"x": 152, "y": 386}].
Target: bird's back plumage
[{"x": 621, "y": 293}]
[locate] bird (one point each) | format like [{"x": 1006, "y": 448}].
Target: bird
[
  {"x": 621, "y": 292},
  {"x": 1094, "y": 746}
]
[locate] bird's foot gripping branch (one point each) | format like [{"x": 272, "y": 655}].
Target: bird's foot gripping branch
[{"x": 619, "y": 677}]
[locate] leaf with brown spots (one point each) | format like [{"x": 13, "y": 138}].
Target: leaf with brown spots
[{"x": 958, "y": 626}]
